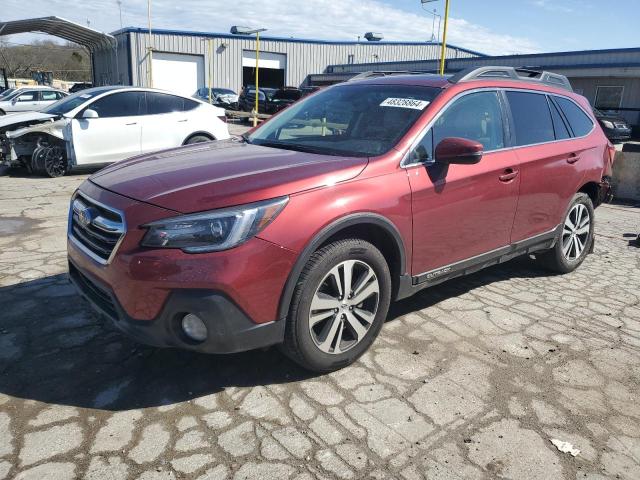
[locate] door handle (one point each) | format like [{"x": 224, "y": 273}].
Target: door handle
[
  {"x": 183, "y": 120},
  {"x": 573, "y": 158},
  {"x": 508, "y": 175},
  {"x": 134, "y": 123}
]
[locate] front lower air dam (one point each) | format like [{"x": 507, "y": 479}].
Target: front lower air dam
[{"x": 194, "y": 328}]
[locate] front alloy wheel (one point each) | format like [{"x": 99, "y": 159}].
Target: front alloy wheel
[
  {"x": 338, "y": 307},
  {"x": 344, "y": 307}
]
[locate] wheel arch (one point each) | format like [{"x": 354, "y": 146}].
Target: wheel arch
[
  {"x": 378, "y": 230},
  {"x": 197, "y": 134},
  {"x": 593, "y": 190}
]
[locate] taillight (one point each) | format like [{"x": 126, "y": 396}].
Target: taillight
[{"x": 223, "y": 118}]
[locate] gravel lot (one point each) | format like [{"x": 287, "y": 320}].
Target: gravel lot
[{"x": 471, "y": 379}]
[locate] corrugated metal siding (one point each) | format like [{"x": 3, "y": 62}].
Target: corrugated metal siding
[
  {"x": 630, "y": 95},
  {"x": 302, "y": 58},
  {"x": 112, "y": 65}
]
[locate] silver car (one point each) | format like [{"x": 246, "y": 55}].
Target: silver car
[{"x": 29, "y": 99}]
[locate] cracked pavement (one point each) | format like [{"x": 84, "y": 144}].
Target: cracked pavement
[{"x": 468, "y": 380}]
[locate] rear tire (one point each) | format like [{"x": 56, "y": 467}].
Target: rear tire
[
  {"x": 339, "y": 305},
  {"x": 574, "y": 240},
  {"x": 197, "y": 139}
]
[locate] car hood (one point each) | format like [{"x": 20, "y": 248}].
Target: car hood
[
  {"x": 7, "y": 120},
  {"x": 223, "y": 173}
]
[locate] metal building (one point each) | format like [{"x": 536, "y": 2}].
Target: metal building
[
  {"x": 610, "y": 79},
  {"x": 183, "y": 61}
]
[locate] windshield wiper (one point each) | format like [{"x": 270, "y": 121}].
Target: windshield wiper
[{"x": 296, "y": 147}]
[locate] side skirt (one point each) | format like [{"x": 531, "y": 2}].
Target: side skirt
[{"x": 464, "y": 267}]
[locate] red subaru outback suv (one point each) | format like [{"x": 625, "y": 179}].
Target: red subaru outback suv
[{"x": 302, "y": 232}]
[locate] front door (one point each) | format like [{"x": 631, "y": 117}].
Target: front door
[
  {"x": 461, "y": 211},
  {"x": 114, "y": 135}
]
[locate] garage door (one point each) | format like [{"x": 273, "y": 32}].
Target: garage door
[
  {"x": 272, "y": 69},
  {"x": 177, "y": 72}
]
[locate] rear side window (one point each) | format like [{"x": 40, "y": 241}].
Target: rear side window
[
  {"x": 476, "y": 116},
  {"x": 580, "y": 123},
  {"x": 531, "y": 118},
  {"x": 562, "y": 132},
  {"x": 125, "y": 104},
  {"x": 158, "y": 103}
]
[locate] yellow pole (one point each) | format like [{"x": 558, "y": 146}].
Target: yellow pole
[
  {"x": 210, "y": 68},
  {"x": 444, "y": 37},
  {"x": 150, "y": 47},
  {"x": 255, "y": 116}
]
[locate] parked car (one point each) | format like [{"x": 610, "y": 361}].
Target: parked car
[
  {"x": 221, "y": 97},
  {"x": 106, "y": 124},
  {"x": 367, "y": 192},
  {"x": 76, "y": 87},
  {"x": 283, "y": 98},
  {"x": 615, "y": 127},
  {"x": 247, "y": 99},
  {"x": 29, "y": 99}
]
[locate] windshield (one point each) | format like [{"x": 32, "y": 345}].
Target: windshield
[
  {"x": 353, "y": 120},
  {"x": 7, "y": 92},
  {"x": 69, "y": 103}
]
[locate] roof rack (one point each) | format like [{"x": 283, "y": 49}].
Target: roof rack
[
  {"x": 383, "y": 73},
  {"x": 520, "y": 74}
]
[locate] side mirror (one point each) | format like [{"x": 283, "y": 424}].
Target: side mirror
[
  {"x": 14, "y": 101},
  {"x": 458, "y": 150},
  {"x": 88, "y": 113}
]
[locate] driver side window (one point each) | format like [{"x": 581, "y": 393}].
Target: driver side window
[{"x": 476, "y": 116}]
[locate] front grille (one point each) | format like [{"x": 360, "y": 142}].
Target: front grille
[
  {"x": 96, "y": 294},
  {"x": 96, "y": 228}
]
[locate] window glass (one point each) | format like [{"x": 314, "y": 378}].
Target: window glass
[
  {"x": 609, "y": 98},
  {"x": 189, "y": 105},
  {"x": 49, "y": 96},
  {"x": 28, "y": 97},
  {"x": 580, "y": 123},
  {"x": 559, "y": 126},
  {"x": 347, "y": 119},
  {"x": 531, "y": 118},
  {"x": 125, "y": 104},
  {"x": 424, "y": 150},
  {"x": 158, "y": 103},
  {"x": 59, "y": 95},
  {"x": 476, "y": 116}
]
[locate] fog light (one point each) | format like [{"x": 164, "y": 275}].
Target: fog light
[{"x": 194, "y": 327}]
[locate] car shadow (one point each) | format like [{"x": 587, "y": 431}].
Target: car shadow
[{"x": 54, "y": 349}]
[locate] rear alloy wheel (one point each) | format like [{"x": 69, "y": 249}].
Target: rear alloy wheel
[
  {"x": 339, "y": 305},
  {"x": 576, "y": 238},
  {"x": 197, "y": 139},
  {"x": 55, "y": 162}
]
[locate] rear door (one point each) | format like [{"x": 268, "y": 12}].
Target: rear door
[
  {"x": 461, "y": 211},
  {"x": 549, "y": 158},
  {"x": 114, "y": 135},
  {"x": 167, "y": 121}
]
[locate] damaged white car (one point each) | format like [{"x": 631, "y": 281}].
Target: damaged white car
[{"x": 103, "y": 125}]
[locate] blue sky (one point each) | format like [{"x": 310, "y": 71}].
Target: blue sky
[{"x": 489, "y": 26}]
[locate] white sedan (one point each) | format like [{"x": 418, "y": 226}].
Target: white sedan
[{"x": 104, "y": 125}]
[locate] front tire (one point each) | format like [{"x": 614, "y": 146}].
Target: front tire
[
  {"x": 574, "y": 240},
  {"x": 339, "y": 305}
]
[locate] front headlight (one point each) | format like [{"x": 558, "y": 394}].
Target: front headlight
[
  {"x": 215, "y": 230},
  {"x": 607, "y": 123}
]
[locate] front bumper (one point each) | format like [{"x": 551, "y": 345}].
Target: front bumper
[
  {"x": 230, "y": 330},
  {"x": 146, "y": 292}
]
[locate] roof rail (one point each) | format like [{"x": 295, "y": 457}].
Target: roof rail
[
  {"x": 512, "y": 73},
  {"x": 383, "y": 73}
]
